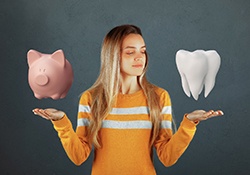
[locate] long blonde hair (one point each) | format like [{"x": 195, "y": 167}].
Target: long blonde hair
[{"x": 106, "y": 86}]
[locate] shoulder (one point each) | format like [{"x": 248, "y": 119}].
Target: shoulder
[
  {"x": 160, "y": 91},
  {"x": 164, "y": 96},
  {"x": 86, "y": 97}
]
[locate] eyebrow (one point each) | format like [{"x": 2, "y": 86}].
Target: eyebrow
[{"x": 132, "y": 47}]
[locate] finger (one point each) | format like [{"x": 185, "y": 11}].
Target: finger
[
  {"x": 51, "y": 115},
  {"x": 214, "y": 113},
  {"x": 45, "y": 114},
  {"x": 35, "y": 111},
  {"x": 208, "y": 114},
  {"x": 220, "y": 112},
  {"x": 217, "y": 113},
  {"x": 41, "y": 113},
  {"x": 44, "y": 117}
]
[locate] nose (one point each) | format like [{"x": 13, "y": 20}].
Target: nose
[
  {"x": 139, "y": 56},
  {"x": 41, "y": 80}
]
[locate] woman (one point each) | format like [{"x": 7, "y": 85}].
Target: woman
[{"x": 123, "y": 115}]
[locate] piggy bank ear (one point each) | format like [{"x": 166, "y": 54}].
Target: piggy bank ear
[
  {"x": 32, "y": 56},
  {"x": 59, "y": 57}
]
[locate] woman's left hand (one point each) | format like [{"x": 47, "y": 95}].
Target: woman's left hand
[{"x": 199, "y": 115}]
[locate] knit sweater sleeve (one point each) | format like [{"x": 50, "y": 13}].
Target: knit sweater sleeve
[
  {"x": 169, "y": 146},
  {"x": 75, "y": 143}
]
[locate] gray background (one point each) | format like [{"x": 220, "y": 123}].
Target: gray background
[{"x": 29, "y": 144}]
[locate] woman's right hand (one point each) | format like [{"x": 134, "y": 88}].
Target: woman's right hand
[{"x": 49, "y": 114}]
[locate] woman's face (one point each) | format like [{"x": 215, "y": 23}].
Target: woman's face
[{"x": 133, "y": 57}]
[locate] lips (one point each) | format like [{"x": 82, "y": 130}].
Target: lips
[
  {"x": 137, "y": 65},
  {"x": 197, "y": 69}
]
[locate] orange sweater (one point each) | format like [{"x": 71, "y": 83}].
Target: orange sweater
[{"x": 125, "y": 136}]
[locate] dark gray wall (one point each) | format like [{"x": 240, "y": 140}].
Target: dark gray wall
[{"x": 29, "y": 144}]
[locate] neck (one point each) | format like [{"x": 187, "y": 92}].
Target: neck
[{"x": 129, "y": 84}]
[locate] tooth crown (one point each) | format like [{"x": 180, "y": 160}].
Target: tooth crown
[{"x": 197, "y": 69}]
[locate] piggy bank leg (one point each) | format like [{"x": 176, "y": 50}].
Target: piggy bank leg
[
  {"x": 38, "y": 96},
  {"x": 55, "y": 96},
  {"x": 64, "y": 93}
]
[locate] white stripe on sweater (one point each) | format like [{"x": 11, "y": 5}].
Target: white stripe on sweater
[{"x": 127, "y": 111}]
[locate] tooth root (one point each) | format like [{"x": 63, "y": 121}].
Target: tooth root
[
  {"x": 214, "y": 62},
  {"x": 197, "y": 69},
  {"x": 196, "y": 90},
  {"x": 185, "y": 85},
  {"x": 201, "y": 88},
  {"x": 180, "y": 58},
  {"x": 196, "y": 87}
]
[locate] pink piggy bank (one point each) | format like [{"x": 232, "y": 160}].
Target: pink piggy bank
[{"x": 50, "y": 75}]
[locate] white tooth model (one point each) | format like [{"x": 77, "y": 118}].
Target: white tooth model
[{"x": 197, "y": 69}]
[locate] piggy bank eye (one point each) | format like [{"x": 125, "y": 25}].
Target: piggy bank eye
[{"x": 44, "y": 70}]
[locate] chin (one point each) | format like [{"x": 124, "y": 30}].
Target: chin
[{"x": 132, "y": 73}]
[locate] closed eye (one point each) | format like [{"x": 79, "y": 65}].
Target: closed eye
[{"x": 130, "y": 52}]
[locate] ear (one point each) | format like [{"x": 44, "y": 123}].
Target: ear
[
  {"x": 32, "y": 56},
  {"x": 59, "y": 57}
]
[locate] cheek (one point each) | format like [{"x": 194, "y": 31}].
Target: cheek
[
  {"x": 123, "y": 65},
  {"x": 125, "y": 61}
]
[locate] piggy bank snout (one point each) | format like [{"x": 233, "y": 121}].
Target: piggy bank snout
[{"x": 41, "y": 80}]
